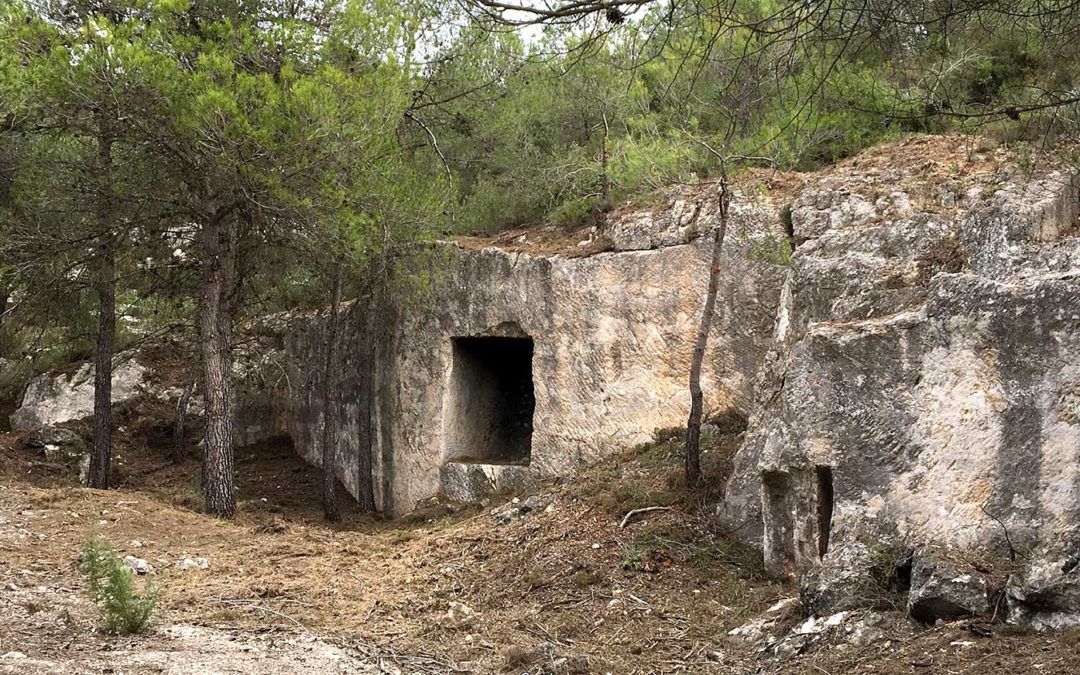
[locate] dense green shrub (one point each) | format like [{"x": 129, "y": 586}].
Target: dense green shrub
[{"x": 14, "y": 375}]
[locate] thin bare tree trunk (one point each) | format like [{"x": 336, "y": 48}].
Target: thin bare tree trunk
[
  {"x": 179, "y": 427},
  {"x": 101, "y": 455},
  {"x": 605, "y": 175},
  {"x": 215, "y": 335},
  {"x": 7, "y": 174},
  {"x": 692, "y": 450},
  {"x": 329, "y": 430}
]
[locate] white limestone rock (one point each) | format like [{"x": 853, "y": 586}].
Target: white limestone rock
[
  {"x": 193, "y": 564},
  {"x": 922, "y": 388},
  {"x": 54, "y": 398},
  {"x": 943, "y": 591},
  {"x": 138, "y": 565}
]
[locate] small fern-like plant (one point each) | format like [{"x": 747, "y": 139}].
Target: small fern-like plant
[{"x": 111, "y": 585}]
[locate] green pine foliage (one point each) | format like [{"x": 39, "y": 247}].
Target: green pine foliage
[
  {"x": 559, "y": 127},
  {"x": 345, "y": 131},
  {"x": 111, "y": 584}
]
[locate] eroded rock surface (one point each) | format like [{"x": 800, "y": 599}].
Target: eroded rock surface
[
  {"x": 54, "y": 398},
  {"x": 922, "y": 391},
  {"x": 507, "y": 367},
  {"x": 1046, "y": 596},
  {"x": 941, "y": 591}
]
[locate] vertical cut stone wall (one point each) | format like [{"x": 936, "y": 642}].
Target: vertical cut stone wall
[{"x": 611, "y": 335}]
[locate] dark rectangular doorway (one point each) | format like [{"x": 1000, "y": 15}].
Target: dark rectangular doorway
[{"x": 489, "y": 415}]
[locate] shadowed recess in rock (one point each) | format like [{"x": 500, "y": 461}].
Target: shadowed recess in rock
[
  {"x": 490, "y": 401},
  {"x": 824, "y": 507}
]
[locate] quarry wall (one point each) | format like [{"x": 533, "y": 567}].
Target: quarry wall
[
  {"x": 921, "y": 393},
  {"x": 508, "y": 366}
]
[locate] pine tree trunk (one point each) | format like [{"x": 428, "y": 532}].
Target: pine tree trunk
[
  {"x": 692, "y": 450},
  {"x": 218, "y": 254},
  {"x": 329, "y": 430},
  {"x": 101, "y": 454}
]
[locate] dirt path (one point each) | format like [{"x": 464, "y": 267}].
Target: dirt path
[{"x": 181, "y": 650}]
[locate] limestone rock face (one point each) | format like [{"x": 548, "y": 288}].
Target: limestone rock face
[
  {"x": 54, "y": 398},
  {"x": 924, "y": 384},
  {"x": 683, "y": 216},
  {"x": 1046, "y": 596},
  {"x": 505, "y": 367}
]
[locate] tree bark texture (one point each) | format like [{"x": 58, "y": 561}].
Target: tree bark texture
[
  {"x": 101, "y": 454},
  {"x": 218, "y": 253}
]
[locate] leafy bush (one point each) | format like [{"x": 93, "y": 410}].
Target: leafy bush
[
  {"x": 770, "y": 249},
  {"x": 111, "y": 585}
]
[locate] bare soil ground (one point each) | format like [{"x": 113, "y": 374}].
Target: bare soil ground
[
  {"x": 561, "y": 590},
  {"x": 566, "y": 586}
]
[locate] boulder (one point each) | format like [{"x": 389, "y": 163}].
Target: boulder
[
  {"x": 941, "y": 590},
  {"x": 834, "y": 631},
  {"x": 806, "y": 634},
  {"x": 755, "y": 632},
  {"x": 1046, "y": 596},
  {"x": 50, "y": 435},
  {"x": 194, "y": 564},
  {"x": 842, "y": 581},
  {"x": 54, "y": 398},
  {"x": 759, "y": 632},
  {"x": 60, "y": 446},
  {"x": 532, "y": 503},
  {"x": 138, "y": 565}
]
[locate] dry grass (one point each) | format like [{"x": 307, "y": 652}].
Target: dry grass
[
  {"x": 557, "y": 592},
  {"x": 552, "y": 584}
]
